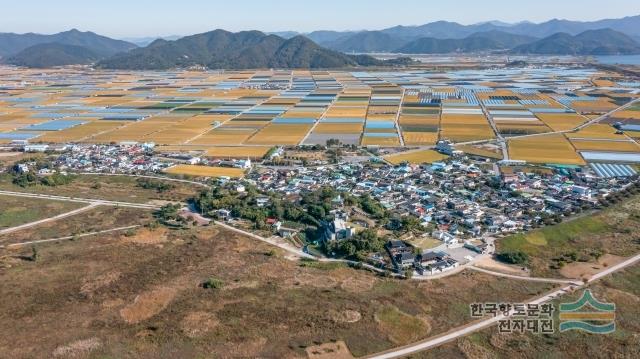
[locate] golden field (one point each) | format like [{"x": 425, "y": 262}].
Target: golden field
[
  {"x": 279, "y": 134},
  {"x": 204, "y": 171},
  {"x": 604, "y": 145},
  {"x": 416, "y": 157},
  {"x": 554, "y": 148},
  {"x": 253, "y": 152},
  {"x": 563, "y": 121},
  {"x": 420, "y": 138}
]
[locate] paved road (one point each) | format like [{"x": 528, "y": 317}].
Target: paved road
[
  {"x": 474, "y": 327},
  {"x": 80, "y": 200},
  {"x": 49, "y": 219}
]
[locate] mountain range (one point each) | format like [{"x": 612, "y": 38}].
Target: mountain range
[
  {"x": 451, "y": 30},
  {"x": 246, "y": 49},
  {"x": 321, "y": 49}
]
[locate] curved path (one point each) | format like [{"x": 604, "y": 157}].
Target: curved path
[{"x": 531, "y": 279}]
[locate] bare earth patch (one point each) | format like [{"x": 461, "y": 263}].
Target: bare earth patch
[
  {"x": 345, "y": 316},
  {"x": 585, "y": 269},
  {"x": 147, "y": 236},
  {"x": 148, "y": 304},
  {"x": 197, "y": 324},
  {"x": 492, "y": 264},
  {"x": 91, "y": 285},
  {"x": 77, "y": 349},
  {"x": 358, "y": 284},
  {"x": 337, "y": 350}
]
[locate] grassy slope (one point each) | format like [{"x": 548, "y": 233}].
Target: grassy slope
[{"x": 612, "y": 230}]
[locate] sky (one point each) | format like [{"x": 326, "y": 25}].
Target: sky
[{"x": 140, "y": 18}]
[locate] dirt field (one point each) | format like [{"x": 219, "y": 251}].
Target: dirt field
[{"x": 114, "y": 296}]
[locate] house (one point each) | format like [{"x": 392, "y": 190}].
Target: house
[
  {"x": 262, "y": 201},
  {"x": 446, "y": 237},
  {"x": 223, "y": 214},
  {"x": 337, "y": 230},
  {"x": 285, "y": 232},
  {"x": 435, "y": 262},
  {"x": 403, "y": 260},
  {"x": 36, "y": 148},
  {"x": 476, "y": 246},
  {"x": 22, "y": 168}
]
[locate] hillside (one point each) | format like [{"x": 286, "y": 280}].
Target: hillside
[
  {"x": 11, "y": 44},
  {"x": 368, "y": 41},
  {"x": 482, "y": 41},
  {"x": 54, "y": 54},
  {"x": 451, "y": 30},
  {"x": 591, "y": 42},
  {"x": 223, "y": 49}
]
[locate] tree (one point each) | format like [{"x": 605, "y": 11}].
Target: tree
[{"x": 514, "y": 257}]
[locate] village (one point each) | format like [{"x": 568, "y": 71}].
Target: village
[{"x": 431, "y": 218}]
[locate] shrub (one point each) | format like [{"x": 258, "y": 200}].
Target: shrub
[
  {"x": 212, "y": 283},
  {"x": 515, "y": 257}
]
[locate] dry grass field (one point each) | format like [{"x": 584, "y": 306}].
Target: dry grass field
[{"x": 93, "y": 298}]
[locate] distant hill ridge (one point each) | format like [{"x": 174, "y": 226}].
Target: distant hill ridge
[
  {"x": 241, "y": 50},
  {"x": 322, "y": 49}
]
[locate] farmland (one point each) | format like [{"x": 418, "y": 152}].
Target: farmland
[
  {"x": 202, "y": 171},
  {"x": 239, "y": 114}
]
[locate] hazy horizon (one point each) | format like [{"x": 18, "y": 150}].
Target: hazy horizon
[{"x": 146, "y": 18}]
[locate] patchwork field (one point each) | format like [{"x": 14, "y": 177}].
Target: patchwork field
[{"x": 277, "y": 107}]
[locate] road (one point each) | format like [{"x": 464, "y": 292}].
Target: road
[
  {"x": 80, "y": 200},
  {"x": 477, "y": 326},
  {"x": 70, "y": 237},
  {"x": 49, "y": 219},
  {"x": 519, "y": 277}
]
